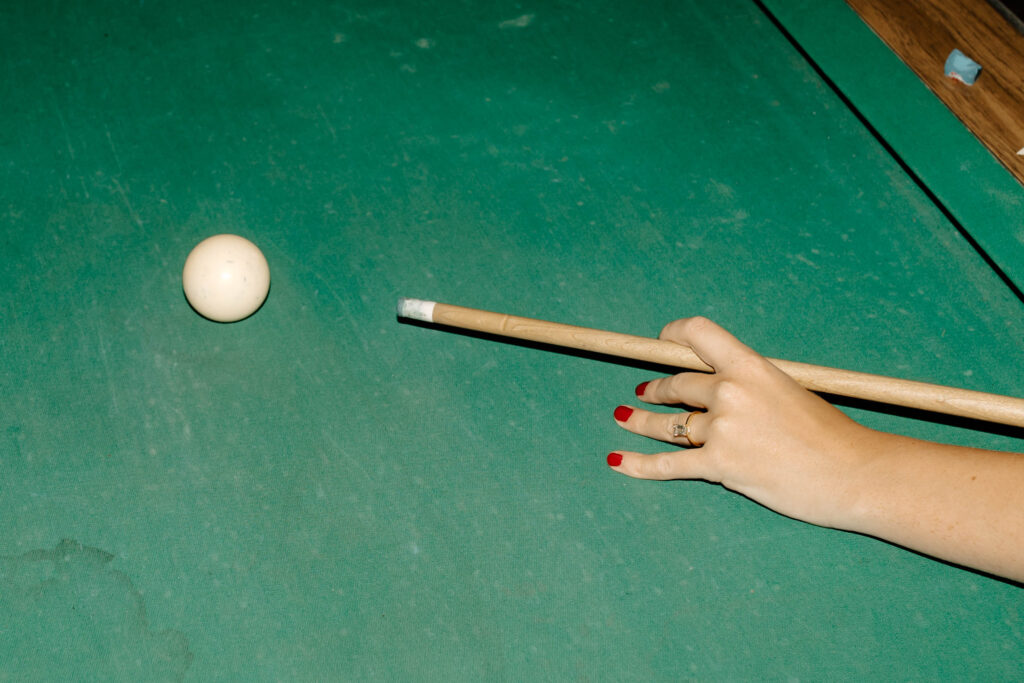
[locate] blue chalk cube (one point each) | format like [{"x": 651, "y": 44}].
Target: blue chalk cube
[{"x": 962, "y": 67}]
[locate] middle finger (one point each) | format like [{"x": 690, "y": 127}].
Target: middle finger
[{"x": 690, "y": 388}]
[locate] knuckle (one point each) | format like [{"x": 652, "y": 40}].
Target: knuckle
[
  {"x": 696, "y": 324},
  {"x": 675, "y": 383},
  {"x": 717, "y": 428},
  {"x": 752, "y": 364},
  {"x": 665, "y": 466},
  {"x": 685, "y": 327},
  {"x": 728, "y": 391}
]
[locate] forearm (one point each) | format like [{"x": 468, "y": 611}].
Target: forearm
[{"x": 963, "y": 505}]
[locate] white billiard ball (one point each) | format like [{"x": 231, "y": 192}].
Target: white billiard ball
[{"x": 226, "y": 278}]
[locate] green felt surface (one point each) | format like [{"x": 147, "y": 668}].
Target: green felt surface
[
  {"x": 322, "y": 493},
  {"x": 976, "y": 190}
]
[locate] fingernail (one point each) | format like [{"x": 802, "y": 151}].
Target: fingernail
[
  {"x": 641, "y": 388},
  {"x": 614, "y": 459},
  {"x": 622, "y": 413}
]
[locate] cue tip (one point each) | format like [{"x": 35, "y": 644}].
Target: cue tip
[{"x": 416, "y": 309}]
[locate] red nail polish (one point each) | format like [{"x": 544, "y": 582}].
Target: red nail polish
[
  {"x": 641, "y": 389},
  {"x": 614, "y": 459},
  {"x": 622, "y": 413}
]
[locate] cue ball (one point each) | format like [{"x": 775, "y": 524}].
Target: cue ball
[{"x": 226, "y": 278}]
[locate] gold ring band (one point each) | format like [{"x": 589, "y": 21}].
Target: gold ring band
[{"x": 683, "y": 430}]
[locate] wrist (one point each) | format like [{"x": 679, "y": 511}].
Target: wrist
[
  {"x": 875, "y": 479},
  {"x": 861, "y": 465}
]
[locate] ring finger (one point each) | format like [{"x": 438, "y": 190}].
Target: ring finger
[{"x": 683, "y": 429}]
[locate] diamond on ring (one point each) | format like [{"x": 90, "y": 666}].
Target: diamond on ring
[{"x": 683, "y": 431}]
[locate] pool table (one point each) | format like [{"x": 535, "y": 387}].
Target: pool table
[{"x": 321, "y": 492}]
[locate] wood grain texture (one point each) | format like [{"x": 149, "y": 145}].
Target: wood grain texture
[
  {"x": 935, "y": 398},
  {"x": 924, "y": 32}
]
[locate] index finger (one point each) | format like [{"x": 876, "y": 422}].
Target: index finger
[{"x": 711, "y": 342}]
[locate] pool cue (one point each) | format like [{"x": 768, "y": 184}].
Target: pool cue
[{"x": 859, "y": 385}]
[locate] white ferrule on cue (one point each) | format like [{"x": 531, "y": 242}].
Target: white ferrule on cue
[{"x": 859, "y": 385}]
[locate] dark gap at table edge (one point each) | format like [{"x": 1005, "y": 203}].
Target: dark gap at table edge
[
  {"x": 1012, "y": 11},
  {"x": 891, "y": 151}
]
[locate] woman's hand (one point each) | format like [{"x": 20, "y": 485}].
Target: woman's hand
[{"x": 754, "y": 430}]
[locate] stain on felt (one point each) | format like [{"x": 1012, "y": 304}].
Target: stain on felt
[{"x": 66, "y": 614}]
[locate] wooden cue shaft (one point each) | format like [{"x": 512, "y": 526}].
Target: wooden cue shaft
[{"x": 900, "y": 392}]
